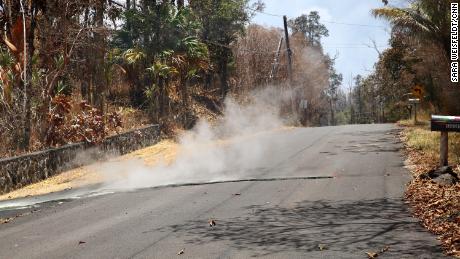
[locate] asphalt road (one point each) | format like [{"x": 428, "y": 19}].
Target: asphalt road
[{"x": 355, "y": 206}]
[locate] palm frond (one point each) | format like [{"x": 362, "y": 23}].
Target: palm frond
[
  {"x": 133, "y": 55},
  {"x": 412, "y": 19},
  {"x": 162, "y": 70}
]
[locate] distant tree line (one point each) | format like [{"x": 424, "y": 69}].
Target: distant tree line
[{"x": 419, "y": 55}]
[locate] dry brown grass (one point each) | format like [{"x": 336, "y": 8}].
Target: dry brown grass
[
  {"x": 163, "y": 151},
  {"x": 426, "y": 142}
]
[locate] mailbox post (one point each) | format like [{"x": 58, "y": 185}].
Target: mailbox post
[{"x": 444, "y": 124}]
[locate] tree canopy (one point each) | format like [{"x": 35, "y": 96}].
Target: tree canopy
[{"x": 310, "y": 27}]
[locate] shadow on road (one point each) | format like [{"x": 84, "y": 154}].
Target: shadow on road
[{"x": 351, "y": 227}]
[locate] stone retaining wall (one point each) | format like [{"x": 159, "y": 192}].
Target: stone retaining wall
[{"x": 16, "y": 172}]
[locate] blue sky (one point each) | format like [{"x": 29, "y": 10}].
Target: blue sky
[{"x": 349, "y": 41}]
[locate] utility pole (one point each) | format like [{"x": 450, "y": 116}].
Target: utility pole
[
  {"x": 288, "y": 48},
  {"x": 289, "y": 54}
]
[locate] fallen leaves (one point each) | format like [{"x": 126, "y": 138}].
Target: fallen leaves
[
  {"x": 212, "y": 223},
  {"x": 372, "y": 255},
  {"x": 437, "y": 207},
  {"x": 5, "y": 220},
  {"x": 322, "y": 247},
  {"x": 181, "y": 252}
]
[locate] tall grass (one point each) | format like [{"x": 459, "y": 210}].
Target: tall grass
[{"x": 426, "y": 141}]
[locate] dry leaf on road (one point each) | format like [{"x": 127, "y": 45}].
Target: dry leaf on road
[
  {"x": 212, "y": 223},
  {"x": 372, "y": 255}
]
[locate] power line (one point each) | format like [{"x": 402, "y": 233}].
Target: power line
[
  {"x": 262, "y": 12},
  {"x": 333, "y": 22},
  {"x": 355, "y": 24},
  {"x": 242, "y": 50},
  {"x": 349, "y": 44},
  {"x": 336, "y": 46},
  {"x": 353, "y": 47}
]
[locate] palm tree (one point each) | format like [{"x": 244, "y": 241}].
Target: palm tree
[{"x": 428, "y": 20}]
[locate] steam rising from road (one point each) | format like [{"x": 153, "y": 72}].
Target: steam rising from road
[{"x": 238, "y": 147}]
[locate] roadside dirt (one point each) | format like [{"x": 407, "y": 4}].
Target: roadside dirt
[{"x": 165, "y": 151}]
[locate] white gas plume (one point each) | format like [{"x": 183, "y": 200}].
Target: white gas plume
[{"x": 236, "y": 148}]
